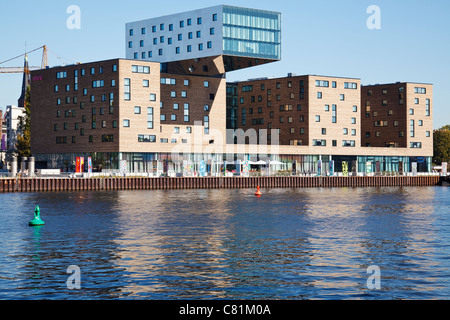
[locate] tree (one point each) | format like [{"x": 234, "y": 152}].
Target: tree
[
  {"x": 441, "y": 145},
  {"x": 24, "y": 128}
]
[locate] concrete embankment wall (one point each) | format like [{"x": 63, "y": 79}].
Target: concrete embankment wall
[{"x": 137, "y": 183}]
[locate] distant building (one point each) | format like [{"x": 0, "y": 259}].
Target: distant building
[
  {"x": 26, "y": 81},
  {"x": 12, "y": 121}
]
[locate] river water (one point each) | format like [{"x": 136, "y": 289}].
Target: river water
[{"x": 228, "y": 244}]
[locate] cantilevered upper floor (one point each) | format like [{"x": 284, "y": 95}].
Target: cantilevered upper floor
[{"x": 212, "y": 40}]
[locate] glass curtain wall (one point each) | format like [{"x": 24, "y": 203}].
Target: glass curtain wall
[{"x": 251, "y": 33}]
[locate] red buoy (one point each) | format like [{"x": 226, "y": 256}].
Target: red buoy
[{"x": 258, "y": 192}]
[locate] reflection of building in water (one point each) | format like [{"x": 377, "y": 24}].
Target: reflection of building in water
[
  {"x": 154, "y": 243},
  {"x": 168, "y": 107}
]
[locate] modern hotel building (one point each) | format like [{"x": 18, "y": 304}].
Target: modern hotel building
[{"x": 168, "y": 104}]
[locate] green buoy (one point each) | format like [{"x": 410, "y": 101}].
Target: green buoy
[{"x": 37, "y": 218}]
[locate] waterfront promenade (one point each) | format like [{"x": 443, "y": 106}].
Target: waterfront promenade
[{"x": 162, "y": 183}]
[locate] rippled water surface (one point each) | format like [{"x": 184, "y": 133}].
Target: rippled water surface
[{"x": 228, "y": 244}]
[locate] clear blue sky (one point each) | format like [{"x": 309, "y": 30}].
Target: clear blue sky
[{"x": 327, "y": 37}]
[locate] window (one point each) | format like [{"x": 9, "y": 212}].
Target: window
[
  {"x": 395, "y": 123},
  {"x": 206, "y": 124},
  {"x": 427, "y": 134},
  {"x": 420, "y": 90},
  {"x": 140, "y": 69},
  {"x": 177, "y": 50},
  {"x": 214, "y": 17},
  {"x": 319, "y": 143},
  {"x": 411, "y": 128},
  {"x": 353, "y": 132},
  {"x": 146, "y": 138},
  {"x": 209, "y": 44},
  {"x": 126, "y": 123},
  {"x": 211, "y": 31},
  {"x": 127, "y": 89},
  {"x": 319, "y": 95},
  {"x": 355, "y": 108},
  {"x": 334, "y": 113},
  {"x": 348, "y": 143},
  {"x": 186, "y": 112},
  {"x": 353, "y": 120},
  {"x": 137, "y": 110},
  {"x": 97, "y": 84},
  {"x": 317, "y": 118},
  {"x": 189, "y": 48},
  {"x": 334, "y": 85},
  {"x": 342, "y": 97},
  {"x": 175, "y": 106},
  {"x": 327, "y": 107},
  {"x": 427, "y": 108},
  {"x": 322, "y": 83},
  {"x": 206, "y": 107},
  {"x": 183, "y": 94},
  {"x": 107, "y": 138},
  {"x": 152, "y": 97},
  {"x": 199, "y": 34},
  {"x": 199, "y": 20},
  {"x": 350, "y": 85},
  {"x": 180, "y": 37},
  {"x": 190, "y": 35},
  {"x": 420, "y": 123},
  {"x": 170, "y": 27},
  {"x": 173, "y": 117},
  {"x": 206, "y": 84},
  {"x": 415, "y": 144},
  {"x": 163, "y": 117},
  {"x": 200, "y": 46},
  {"x": 143, "y": 31},
  {"x": 61, "y": 75},
  {"x": 131, "y": 32},
  {"x": 411, "y": 111},
  {"x": 324, "y": 131},
  {"x": 173, "y": 94},
  {"x": 345, "y": 131}
]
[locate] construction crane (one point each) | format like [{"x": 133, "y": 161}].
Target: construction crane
[{"x": 26, "y": 69}]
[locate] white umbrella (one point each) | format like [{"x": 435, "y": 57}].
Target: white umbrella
[{"x": 276, "y": 162}]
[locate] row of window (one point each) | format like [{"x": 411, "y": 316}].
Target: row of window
[
  {"x": 145, "y": 55},
  {"x": 323, "y": 143},
  {"x": 401, "y": 134},
  {"x": 92, "y": 71},
  {"x": 417, "y": 90},
  {"x": 105, "y": 138},
  {"x": 182, "y": 24},
  {"x": 162, "y": 39},
  {"x": 326, "y": 84}
]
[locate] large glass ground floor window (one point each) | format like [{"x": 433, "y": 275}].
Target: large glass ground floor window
[{"x": 168, "y": 163}]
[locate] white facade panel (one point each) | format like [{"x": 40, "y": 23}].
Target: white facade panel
[{"x": 150, "y": 39}]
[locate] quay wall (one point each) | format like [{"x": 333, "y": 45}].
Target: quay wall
[{"x": 161, "y": 183}]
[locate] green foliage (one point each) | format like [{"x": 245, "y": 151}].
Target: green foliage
[
  {"x": 441, "y": 145},
  {"x": 24, "y": 128}
]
